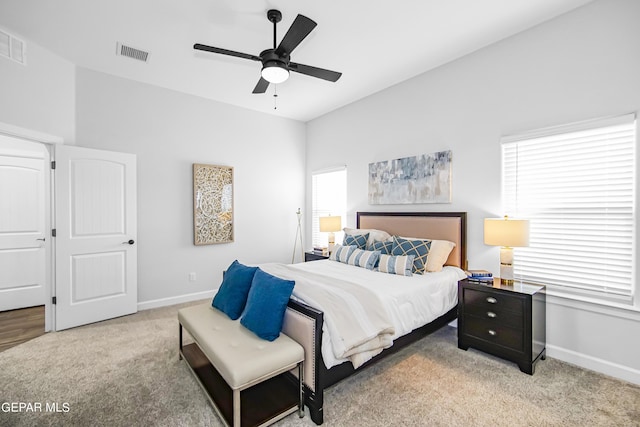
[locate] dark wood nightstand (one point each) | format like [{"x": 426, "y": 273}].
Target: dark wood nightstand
[
  {"x": 507, "y": 321},
  {"x": 312, "y": 256}
]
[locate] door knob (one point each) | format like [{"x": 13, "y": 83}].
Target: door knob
[{"x": 129, "y": 242}]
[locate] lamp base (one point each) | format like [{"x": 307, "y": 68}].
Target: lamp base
[
  {"x": 506, "y": 265},
  {"x": 332, "y": 240}
]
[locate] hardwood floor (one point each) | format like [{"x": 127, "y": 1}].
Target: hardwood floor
[{"x": 18, "y": 326}]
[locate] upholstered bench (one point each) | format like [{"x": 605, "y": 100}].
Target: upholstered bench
[{"x": 225, "y": 350}]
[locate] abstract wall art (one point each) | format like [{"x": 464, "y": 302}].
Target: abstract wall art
[
  {"x": 212, "y": 204},
  {"x": 410, "y": 180}
]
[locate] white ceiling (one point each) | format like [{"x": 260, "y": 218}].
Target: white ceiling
[{"x": 374, "y": 43}]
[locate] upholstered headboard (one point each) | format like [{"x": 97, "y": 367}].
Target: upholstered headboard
[{"x": 450, "y": 226}]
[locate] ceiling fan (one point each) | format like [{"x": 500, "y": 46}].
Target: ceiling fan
[{"x": 276, "y": 62}]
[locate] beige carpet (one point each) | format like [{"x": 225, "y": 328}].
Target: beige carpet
[{"x": 125, "y": 372}]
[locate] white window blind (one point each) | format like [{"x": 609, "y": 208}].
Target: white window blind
[
  {"x": 576, "y": 186},
  {"x": 329, "y": 197}
]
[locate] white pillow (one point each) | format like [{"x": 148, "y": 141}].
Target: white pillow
[{"x": 438, "y": 254}]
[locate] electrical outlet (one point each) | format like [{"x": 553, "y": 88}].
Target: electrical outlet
[{"x": 192, "y": 277}]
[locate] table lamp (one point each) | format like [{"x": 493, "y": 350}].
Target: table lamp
[
  {"x": 330, "y": 224},
  {"x": 507, "y": 233}
]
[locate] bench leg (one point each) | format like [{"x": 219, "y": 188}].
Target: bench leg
[
  {"x": 301, "y": 386},
  {"x": 180, "y": 343},
  {"x": 236, "y": 408}
]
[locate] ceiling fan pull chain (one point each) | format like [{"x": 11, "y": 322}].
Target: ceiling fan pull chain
[{"x": 275, "y": 98}]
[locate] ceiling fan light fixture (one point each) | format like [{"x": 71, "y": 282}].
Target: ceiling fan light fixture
[
  {"x": 276, "y": 61},
  {"x": 275, "y": 72}
]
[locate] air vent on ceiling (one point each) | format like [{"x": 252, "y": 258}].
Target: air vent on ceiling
[
  {"x": 132, "y": 52},
  {"x": 12, "y": 47}
]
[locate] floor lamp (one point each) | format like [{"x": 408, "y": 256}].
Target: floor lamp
[{"x": 298, "y": 237}]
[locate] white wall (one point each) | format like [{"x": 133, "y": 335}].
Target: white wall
[
  {"x": 169, "y": 131},
  {"x": 579, "y": 66},
  {"x": 39, "y": 95}
]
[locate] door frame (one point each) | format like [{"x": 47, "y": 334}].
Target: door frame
[{"x": 48, "y": 141}]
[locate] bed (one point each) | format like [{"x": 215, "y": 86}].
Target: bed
[{"x": 305, "y": 323}]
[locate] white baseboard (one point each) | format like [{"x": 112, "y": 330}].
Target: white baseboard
[
  {"x": 163, "y": 302},
  {"x": 602, "y": 366}
]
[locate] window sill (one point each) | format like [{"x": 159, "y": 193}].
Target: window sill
[{"x": 609, "y": 308}]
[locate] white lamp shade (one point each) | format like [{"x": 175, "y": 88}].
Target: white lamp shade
[
  {"x": 275, "y": 74},
  {"x": 330, "y": 224},
  {"x": 506, "y": 232}
]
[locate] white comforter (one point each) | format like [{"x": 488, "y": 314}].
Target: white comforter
[{"x": 385, "y": 306}]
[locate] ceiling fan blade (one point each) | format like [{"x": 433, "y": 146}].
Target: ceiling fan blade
[
  {"x": 262, "y": 86},
  {"x": 206, "y": 48},
  {"x": 320, "y": 73},
  {"x": 300, "y": 29}
]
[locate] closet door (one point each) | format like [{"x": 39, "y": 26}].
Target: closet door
[{"x": 24, "y": 219}]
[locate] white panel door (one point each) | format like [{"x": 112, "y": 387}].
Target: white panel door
[
  {"x": 24, "y": 219},
  {"x": 96, "y": 255}
]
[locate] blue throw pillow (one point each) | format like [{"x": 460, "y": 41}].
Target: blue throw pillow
[
  {"x": 384, "y": 247},
  {"x": 418, "y": 248},
  {"x": 234, "y": 290},
  {"x": 341, "y": 253},
  {"x": 358, "y": 240},
  {"x": 366, "y": 259},
  {"x": 266, "y": 305},
  {"x": 396, "y": 264}
]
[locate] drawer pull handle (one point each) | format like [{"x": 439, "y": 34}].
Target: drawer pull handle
[
  {"x": 491, "y": 314},
  {"x": 492, "y": 332},
  {"x": 491, "y": 300}
]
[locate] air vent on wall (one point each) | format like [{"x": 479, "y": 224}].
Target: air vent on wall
[
  {"x": 132, "y": 52},
  {"x": 12, "y": 47}
]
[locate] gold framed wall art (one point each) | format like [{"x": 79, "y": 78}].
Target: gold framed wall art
[{"x": 212, "y": 204}]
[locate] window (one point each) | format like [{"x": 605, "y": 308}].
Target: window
[
  {"x": 329, "y": 197},
  {"x": 576, "y": 186}
]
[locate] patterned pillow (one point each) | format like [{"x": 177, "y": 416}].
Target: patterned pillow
[
  {"x": 341, "y": 253},
  {"x": 374, "y": 235},
  {"x": 400, "y": 265},
  {"x": 366, "y": 259},
  {"x": 384, "y": 247},
  {"x": 418, "y": 248},
  {"x": 358, "y": 240}
]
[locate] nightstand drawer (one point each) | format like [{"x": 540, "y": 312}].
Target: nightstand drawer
[
  {"x": 491, "y": 314},
  {"x": 493, "y": 301},
  {"x": 495, "y": 333}
]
